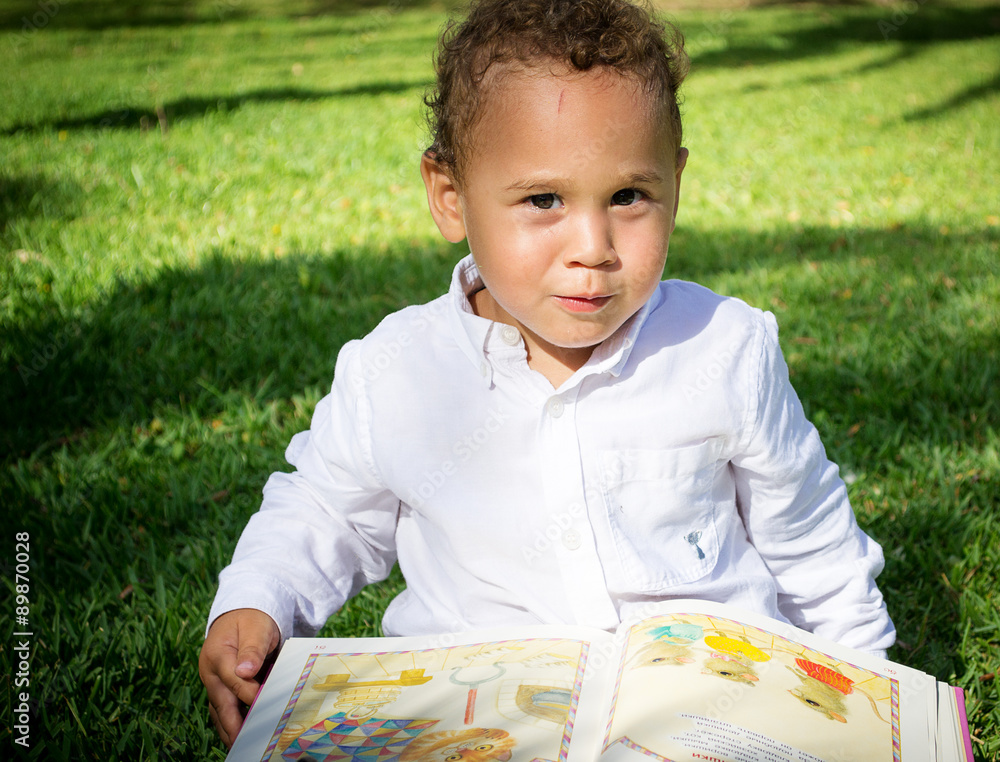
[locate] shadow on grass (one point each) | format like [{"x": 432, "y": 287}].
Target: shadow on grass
[
  {"x": 134, "y": 117},
  {"x": 266, "y": 330},
  {"x": 967, "y": 96},
  {"x": 176, "y": 340},
  {"x": 820, "y": 36},
  {"x": 919, "y": 542},
  {"x": 829, "y": 34},
  {"x": 27, "y": 196},
  {"x": 32, "y": 17},
  {"x": 926, "y": 22},
  {"x": 278, "y": 324}
]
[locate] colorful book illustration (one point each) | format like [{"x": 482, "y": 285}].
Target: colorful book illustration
[{"x": 690, "y": 680}]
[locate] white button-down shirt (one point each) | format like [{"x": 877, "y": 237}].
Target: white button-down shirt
[{"x": 676, "y": 463}]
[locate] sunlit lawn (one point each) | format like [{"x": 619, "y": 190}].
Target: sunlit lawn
[{"x": 201, "y": 201}]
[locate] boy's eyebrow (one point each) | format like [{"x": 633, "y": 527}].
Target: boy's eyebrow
[
  {"x": 549, "y": 181},
  {"x": 644, "y": 178},
  {"x": 530, "y": 183}
]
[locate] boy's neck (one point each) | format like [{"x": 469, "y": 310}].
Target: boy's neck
[{"x": 556, "y": 363}]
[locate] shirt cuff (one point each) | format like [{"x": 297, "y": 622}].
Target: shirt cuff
[{"x": 254, "y": 591}]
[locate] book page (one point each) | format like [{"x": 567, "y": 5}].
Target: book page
[
  {"x": 954, "y": 744},
  {"x": 491, "y": 697},
  {"x": 704, "y": 682}
]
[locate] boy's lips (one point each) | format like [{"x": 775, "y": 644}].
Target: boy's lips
[{"x": 583, "y": 303}]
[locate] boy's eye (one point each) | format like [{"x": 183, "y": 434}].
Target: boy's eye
[
  {"x": 544, "y": 201},
  {"x": 626, "y": 197}
]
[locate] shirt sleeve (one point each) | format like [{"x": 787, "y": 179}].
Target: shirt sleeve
[
  {"x": 795, "y": 508},
  {"x": 326, "y": 529}
]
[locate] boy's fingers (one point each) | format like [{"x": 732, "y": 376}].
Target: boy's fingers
[
  {"x": 222, "y": 703},
  {"x": 258, "y": 637},
  {"x": 237, "y": 646},
  {"x": 227, "y": 695},
  {"x": 219, "y": 727},
  {"x": 227, "y": 719},
  {"x": 244, "y": 690},
  {"x": 248, "y": 662}
]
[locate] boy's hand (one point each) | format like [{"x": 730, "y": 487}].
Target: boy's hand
[{"x": 237, "y": 645}]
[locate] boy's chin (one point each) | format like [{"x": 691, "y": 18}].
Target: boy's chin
[{"x": 581, "y": 344}]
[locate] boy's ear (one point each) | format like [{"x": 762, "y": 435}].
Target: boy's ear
[
  {"x": 681, "y": 161},
  {"x": 443, "y": 198}
]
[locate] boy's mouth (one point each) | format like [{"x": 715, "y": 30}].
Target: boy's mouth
[{"x": 583, "y": 303}]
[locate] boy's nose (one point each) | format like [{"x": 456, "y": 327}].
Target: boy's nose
[{"x": 592, "y": 243}]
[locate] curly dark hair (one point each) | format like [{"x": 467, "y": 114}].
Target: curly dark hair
[{"x": 578, "y": 34}]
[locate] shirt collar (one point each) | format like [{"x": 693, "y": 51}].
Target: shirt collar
[
  {"x": 611, "y": 355},
  {"x": 473, "y": 333},
  {"x": 470, "y": 331}
]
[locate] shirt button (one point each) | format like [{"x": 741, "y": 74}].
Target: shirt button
[
  {"x": 571, "y": 539},
  {"x": 555, "y": 406},
  {"x": 510, "y": 335}
]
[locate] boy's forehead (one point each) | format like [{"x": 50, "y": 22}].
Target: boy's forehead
[
  {"x": 553, "y": 90},
  {"x": 545, "y": 123},
  {"x": 548, "y": 77}
]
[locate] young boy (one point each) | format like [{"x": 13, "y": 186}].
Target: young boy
[{"x": 562, "y": 437}]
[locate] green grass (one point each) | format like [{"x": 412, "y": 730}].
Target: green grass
[{"x": 201, "y": 201}]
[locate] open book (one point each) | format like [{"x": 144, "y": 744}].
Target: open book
[{"x": 689, "y": 681}]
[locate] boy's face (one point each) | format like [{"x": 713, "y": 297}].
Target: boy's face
[{"x": 568, "y": 200}]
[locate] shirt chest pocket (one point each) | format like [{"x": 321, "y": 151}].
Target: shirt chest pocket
[{"x": 662, "y": 513}]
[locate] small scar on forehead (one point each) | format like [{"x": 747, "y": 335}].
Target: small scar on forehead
[{"x": 559, "y": 107}]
